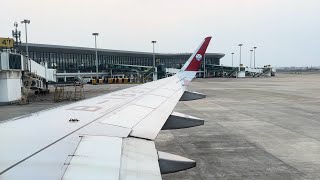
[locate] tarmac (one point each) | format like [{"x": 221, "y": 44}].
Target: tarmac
[{"x": 255, "y": 128}]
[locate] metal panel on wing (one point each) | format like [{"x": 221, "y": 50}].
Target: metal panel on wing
[
  {"x": 139, "y": 160},
  {"x": 127, "y": 116},
  {"x": 97, "y": 157}
]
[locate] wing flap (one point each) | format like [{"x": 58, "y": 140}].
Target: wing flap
[
  {"x": 97, "y": 157},
  {"x": 139, "y": 160},
  {"x": 102, "y": 157}
]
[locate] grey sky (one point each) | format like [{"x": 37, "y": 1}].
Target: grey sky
[{"x": 287, "y": 32}]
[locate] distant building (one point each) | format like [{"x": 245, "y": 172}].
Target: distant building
[{"x": 68, "y": 59}]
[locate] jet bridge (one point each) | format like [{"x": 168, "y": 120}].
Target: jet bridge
[{"x": 19, "y": 75}]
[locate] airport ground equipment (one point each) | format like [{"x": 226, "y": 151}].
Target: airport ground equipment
[
  {"x": 20, "y": 75},
  {"x": 78, "y": 92},
  {"x": 68, "y": 92},
  {"x": 213, "y": 70},
  {"x": 58, "y": 93},
  {"x": 232, "y": 72},
  {"x": 266, "y": 71}
]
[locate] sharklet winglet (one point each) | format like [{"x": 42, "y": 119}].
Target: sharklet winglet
[{"x": 193, "y": 63}]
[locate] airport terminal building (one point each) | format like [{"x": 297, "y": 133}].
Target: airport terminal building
[{"x": 70, "y": 60}]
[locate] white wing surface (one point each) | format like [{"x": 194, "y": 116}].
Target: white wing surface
[{"x": 106, "y": 137}]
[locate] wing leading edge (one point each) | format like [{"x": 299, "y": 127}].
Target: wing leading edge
[{"x": 55, "y": 148}]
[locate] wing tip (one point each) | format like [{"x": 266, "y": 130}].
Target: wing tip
[{"x": 197, "y": 56}]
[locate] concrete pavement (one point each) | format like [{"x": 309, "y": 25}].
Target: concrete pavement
[
  {"x": 256, "y": 128},
  {"x": 261, "y": 128}
]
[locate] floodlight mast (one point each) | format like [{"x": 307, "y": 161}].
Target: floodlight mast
[
  {"x": 240, "y": 45},
  {"x": 25, "y": 22},
  {"x": 154, "y": 62},
  {"x": 232, "y": 59},
  {"x": 254, "y": 56},
  {"x": 95, "y": 44},
  {"x": 251, "y": 50}
]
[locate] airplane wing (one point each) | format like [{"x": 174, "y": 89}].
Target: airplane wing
[{"x": 107, "y": 137}]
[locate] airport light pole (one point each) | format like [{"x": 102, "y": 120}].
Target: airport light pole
[
  {"x": 232, "y": 59},
  {"x": 240, "y": 45},
  {"x": 95, "y": 43},
  {"x": 204, "y": 66},
  {"x": 251, "y": 57},
  {"x": 254, "y": 56},
  {"x": 154, "y": 62},
  {"x": 25, "y": 22}
]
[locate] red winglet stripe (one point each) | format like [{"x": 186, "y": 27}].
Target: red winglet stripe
[{"x": 198, "y": 57}]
